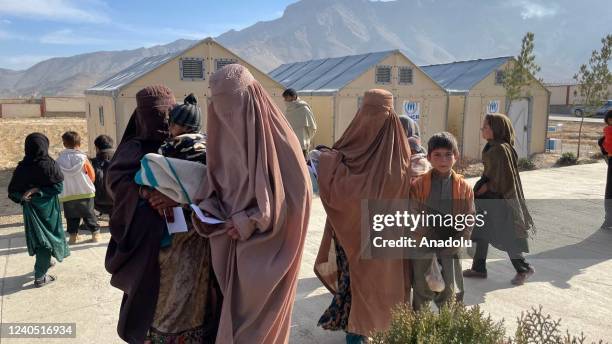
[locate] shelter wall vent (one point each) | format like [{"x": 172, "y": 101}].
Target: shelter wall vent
[
  {"x": 220, "y": 63},
  {"x": 101, "y": 115},
  {"x": 499, "y": 77},
  {"x": 383, "y": 75},
  {"x": 191, "y": 68},
  {"x": 405, "y": 75}
]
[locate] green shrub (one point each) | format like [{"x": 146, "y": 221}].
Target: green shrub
[
  {"x": 567, "y": 159},
  {"x": 536, "y": 327},
  {"x": 455, "y": 324},
  {"x": 526, "y": 164},
  {"x": 458, "y": 324}
]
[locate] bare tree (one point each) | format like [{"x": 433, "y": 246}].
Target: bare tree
[
  {"x": 593, "y": 79},
  {"x": 521, "y": 73}
]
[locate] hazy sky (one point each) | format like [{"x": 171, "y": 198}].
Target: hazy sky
[{"x": 35, "y": 30}]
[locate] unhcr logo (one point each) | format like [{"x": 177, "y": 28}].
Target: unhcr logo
[
  {"x": 411, "y": 109},
  {"x": 493, "y": 106}
]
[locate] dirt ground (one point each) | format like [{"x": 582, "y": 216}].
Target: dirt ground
[
  {"x": 540, "y": 161},
  {"x": 13, "y": 133},
  {"x": 567, "y": 132},
  {"x": 7, "y": 207}
]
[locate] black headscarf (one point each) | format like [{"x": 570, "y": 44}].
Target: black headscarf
[{"x": 37, "y": 169}]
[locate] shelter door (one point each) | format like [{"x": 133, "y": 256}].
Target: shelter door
[{"x": 519, "y": 114}]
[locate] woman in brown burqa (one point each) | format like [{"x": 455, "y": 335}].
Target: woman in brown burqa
[
  {"x": 370, "y": 161},
  {"x": 258, "y": 183},
  {"x": 165, "y": 289}
]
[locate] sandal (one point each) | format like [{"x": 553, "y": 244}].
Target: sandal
[{"x": 42, "y": 281}]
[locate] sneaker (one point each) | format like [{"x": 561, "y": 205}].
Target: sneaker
[
  {"x": 42, "y": 281},
  {"x": 74, "y": 239},
  {"x": 95, "y": 236},
  {"x": 521, "y": 277},
  {"x": 469, "y": 273}
]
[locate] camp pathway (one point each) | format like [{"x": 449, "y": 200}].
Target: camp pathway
[{"x": 572, "y": 258}]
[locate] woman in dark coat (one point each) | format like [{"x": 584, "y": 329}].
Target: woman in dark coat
[
  {"x": 36, "y": 184},
  {"x": 165, "y": 279},
  {"x": 499, "y": 194},
  {"x": 136, "y": 227}
]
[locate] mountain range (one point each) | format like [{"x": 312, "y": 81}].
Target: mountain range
[{"x": 429, "y": 31}]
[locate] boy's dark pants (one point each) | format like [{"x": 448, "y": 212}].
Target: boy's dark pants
[
  {"x": 79, "y": 209},
  {"x": 608, "y": 197},
  {"x": 451, "y": 273}
]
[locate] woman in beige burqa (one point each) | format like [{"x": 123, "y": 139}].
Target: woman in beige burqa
[
  {"x": 258, "y": 183},
  {"x": 370, "y": 161}
]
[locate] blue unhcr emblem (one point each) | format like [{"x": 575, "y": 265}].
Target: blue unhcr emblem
[
  {"x": 493, "y": 106},
  {"x": 411, "y": 109}
]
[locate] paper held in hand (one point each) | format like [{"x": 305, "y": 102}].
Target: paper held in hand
[
  {"x": 205, "y": 219},
  {"x": 179, "y": 225}
]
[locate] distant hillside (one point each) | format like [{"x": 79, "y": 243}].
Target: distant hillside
[
  {"x": 72, "y": 75},
  {"x": 430, "y": 31}
]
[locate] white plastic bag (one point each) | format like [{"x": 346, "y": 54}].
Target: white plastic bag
[{"x": 433, "y": 277}]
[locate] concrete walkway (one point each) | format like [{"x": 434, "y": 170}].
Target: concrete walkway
[{"x": 572, "y": 258}]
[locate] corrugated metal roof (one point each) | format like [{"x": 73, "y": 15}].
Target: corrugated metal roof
[
  {"x": 326, "y": 76},
  {"x": 463, "y": 75},
  {"x": 135, "y": 71},
  {"x": 131, "y": 73}
]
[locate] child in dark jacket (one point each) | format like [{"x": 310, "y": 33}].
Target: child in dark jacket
[{"x": 103, "y": 202}]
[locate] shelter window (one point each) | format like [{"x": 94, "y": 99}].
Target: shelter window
[
  {"x": 383, "y": 74},
  {"x": 405, "y": 75},
  {"x": 101, "y": 115},
  {"x": 499, "y": 77},
  {"x": 192, "y": 68},
  {"x": 220, "y": 63}
]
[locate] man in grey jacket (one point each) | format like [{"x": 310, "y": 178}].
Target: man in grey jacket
[{"x": 300, "y": 116}]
